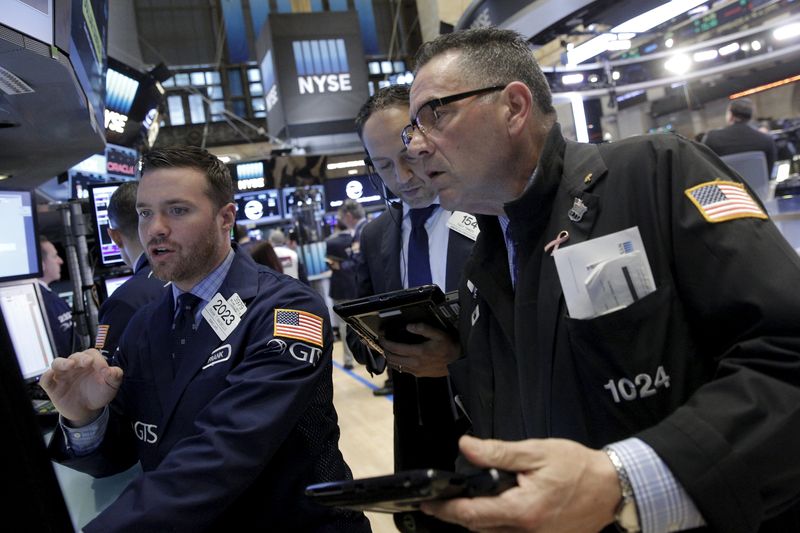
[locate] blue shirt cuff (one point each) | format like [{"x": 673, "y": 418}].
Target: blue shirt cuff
[
  {"x": 662, "y": 502},
  {"x": 84, "y": 440}
]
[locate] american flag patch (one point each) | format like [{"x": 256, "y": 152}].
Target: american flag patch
[
  {"x": 298, "y": 325},
  {"x": 720, "y": 200},
  {"x": 102, "y": 333}
]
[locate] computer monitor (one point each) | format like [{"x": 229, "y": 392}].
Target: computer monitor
[
  {"x": 99, "y": 196},
  {"x": 781, "y": 170},
  {"x": 26, "y": 321},
  {"x": 113, "y": 283},
  {"x": 308, "y": 195},
  {"x": 358, "y": 188},
  {"x": 25, "y": 463},
  {"x": 19, "y": 242},
  {"x": 262, "y": 207}
]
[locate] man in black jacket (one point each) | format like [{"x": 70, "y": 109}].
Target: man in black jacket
[
  {"x": 614, "y": 313},
  {"x": 426, "y": 430},
  {"x": 739, "y": 136}
]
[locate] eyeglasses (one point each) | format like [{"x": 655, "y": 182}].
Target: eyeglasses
[{"x": 427, "y": 116}]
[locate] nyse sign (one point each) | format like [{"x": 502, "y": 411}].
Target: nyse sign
[{"x": 331, "y": 83}]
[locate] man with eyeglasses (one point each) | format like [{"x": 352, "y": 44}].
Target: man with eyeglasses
[
  {"x": 616, "y": 322},
  {"x": 426, "y": 426}
]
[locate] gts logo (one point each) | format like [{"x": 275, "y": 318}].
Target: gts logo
[{"x": 145, "y": 432}]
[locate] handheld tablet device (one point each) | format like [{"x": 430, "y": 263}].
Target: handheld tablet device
[
  {"x": 404, "y": 491},
  {"x": 388, "y": 314}
]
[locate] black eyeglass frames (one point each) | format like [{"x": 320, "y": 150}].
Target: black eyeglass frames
[{"x": 426, "y": 117}]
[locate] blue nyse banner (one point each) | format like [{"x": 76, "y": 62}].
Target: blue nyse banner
[{"x": 314, "y": 73}]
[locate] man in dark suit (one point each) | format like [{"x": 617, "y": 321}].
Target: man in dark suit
[
  {"x": 340, "y": 257},
  {"x": 392, "y": 258},
  {"x": 739, "y": 136},
  {"x": 142, "y": 288},
  {"x": 221, "y": 389}
]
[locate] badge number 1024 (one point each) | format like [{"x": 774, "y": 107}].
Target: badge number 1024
[{"x": 642, "y": 386}]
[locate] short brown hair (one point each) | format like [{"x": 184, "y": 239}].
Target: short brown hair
[
  {"x": 391, "y": 96},
  {"x": 122, "y": 209},
  {"x": 220, "y": 183}
]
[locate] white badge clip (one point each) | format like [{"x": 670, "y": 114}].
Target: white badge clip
[
  {"x": 465, "y": 224},
  {"x": 222, "y": 315}
]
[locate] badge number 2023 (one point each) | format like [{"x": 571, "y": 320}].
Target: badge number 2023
[{"x": 641, "y": 386}]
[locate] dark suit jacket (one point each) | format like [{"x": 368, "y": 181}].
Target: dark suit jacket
[
  {"x": 343, "y": 279},
  {"x": 229, "y": 443},
  {"x": 425, "y": 429},
  {"x": 741, "y": 137}
]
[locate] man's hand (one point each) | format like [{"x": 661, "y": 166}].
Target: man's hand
[
  {"x": 81, "y": 385},
  {"x": 425, "y": 360},
  {"x": 562, "y": 486}
]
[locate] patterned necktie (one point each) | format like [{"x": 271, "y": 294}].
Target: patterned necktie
[
  {"x": 419, "y": 261},
  {"x": 183, "y": 327},
  {"x": 512, "y": 254}
]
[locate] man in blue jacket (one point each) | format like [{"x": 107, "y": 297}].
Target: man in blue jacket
[
  {"x": 224, "y": 398},
  {"x": 142, "y": 288}
]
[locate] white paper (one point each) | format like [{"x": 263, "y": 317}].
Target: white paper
[{"x": 604, "y": 274}]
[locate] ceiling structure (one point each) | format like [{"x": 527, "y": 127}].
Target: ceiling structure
[{"x": 143, "y": 33}]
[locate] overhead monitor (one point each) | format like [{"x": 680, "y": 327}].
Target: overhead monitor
[
  {"x": 262, "y": 207},
  {"x": 313, "y": 195},
  {"x": 358, "y": 188},
  {"x": 19, "y": 241},
  {"x": 99, "y": 196},
  {"x": 25, "y": 318}
]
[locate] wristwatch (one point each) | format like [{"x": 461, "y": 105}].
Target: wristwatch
[{"x": 626, "y": 514}]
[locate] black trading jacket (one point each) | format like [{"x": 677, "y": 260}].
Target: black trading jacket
[{"x": 722, "y": 329}]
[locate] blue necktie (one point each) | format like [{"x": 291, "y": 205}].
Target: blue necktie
[
  {"x": 419, "y": 260},
  {"x": 512, "y": 255},
  {"x": 183, "y": 327}
]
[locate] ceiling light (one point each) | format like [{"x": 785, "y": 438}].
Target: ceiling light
[
  {"x": 638, "y": 24},
  {"x": 345, "y": 164},
  {"x": 787, "y": 32},
  {"x": 616, "y": 75},
  {"x": 654, "y": 17},
  {"x": 589, "y": 49},
  {"x": 619, "y": 44},
  {"x": 679, "y": 64},
  {"x": 352, "y": 171},
  {"x": 729, "y": 49},
  {"x": 755, "y": 45},
  {"x": 669, "y": 42},
  {"x": 593, "y": 78},
  {"x": 4, "y": 176},
  {"x": 705, "y": 55},
  {"x": 572, "y": 79},
  {"x": 579, "y": 118}
]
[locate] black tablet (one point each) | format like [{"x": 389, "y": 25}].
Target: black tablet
[
  {"x": 388, "y": 314},
  {"x": 404, "y": 491}
]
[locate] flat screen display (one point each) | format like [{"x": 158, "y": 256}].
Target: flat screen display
[
  {"x": 358, "y": 188},
  {"x": 260, "y": 207},
  {"x": 19, "y": 241},
  {"x": 113, "y": 283},
  {"x": 25, "y": 318},
  {"x": 99, "y": 196},
  {"x": 311, "y": 195}
]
